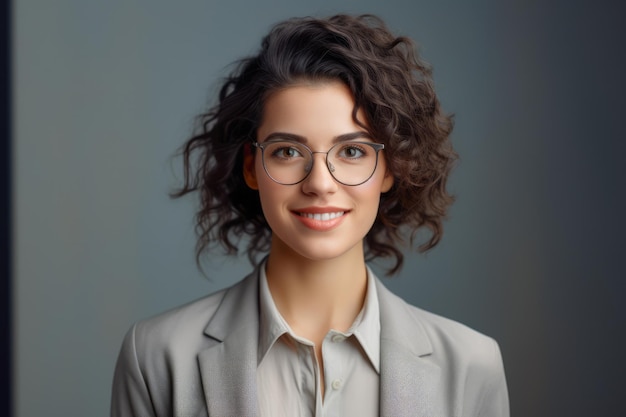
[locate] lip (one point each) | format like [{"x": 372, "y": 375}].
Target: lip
[{"x": 320, "y": 218}]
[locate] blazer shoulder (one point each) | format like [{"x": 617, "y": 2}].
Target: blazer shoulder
[
  {"x": 455, "y": 342},
  {"x": 440, "y": 331},
  {"x": 474, "y": 358},
  {"x": 184, "y": 324},
  {"x": 471, "y": 363},
  {"x": 173, "y": 324},
  {"x": 450, "y": 342},
  {"x": 444, "y": 330},
  {"x": 160, "y": 350}
]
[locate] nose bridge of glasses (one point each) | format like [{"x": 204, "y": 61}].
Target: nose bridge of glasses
[{"x": 327, "y": 161}]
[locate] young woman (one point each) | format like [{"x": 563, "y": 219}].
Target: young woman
[{"x": 326, "y": 149}]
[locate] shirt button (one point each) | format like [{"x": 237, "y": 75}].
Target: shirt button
[
  {"x": 336, "y": 384},
  {"x": 338, "y": 338}
]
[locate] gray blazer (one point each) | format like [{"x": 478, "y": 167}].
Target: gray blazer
[{"x": 201, "y": 359}]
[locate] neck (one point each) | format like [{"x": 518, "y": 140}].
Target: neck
[{"x": 316, "y": 295}]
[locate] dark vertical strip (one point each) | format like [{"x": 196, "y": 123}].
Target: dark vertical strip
[{"x": 6, "y": 302}]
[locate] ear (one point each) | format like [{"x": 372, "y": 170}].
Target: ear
[
  {"x": 387, "y": 182},
  {"x": 249, "y": 172}
]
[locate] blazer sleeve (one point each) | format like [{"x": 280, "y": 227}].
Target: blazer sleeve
[
  {"x": 130, "y": 394},
  {"x": 495, "y": 399}
]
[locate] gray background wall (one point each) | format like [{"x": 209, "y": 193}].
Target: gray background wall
[{"x": 105, "y": 91}]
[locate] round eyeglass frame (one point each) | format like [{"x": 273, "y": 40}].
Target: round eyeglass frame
[{"x": 376, "y": 146}]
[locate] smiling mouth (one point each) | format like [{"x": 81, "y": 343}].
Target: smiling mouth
[{"x": 322, "y": 216}]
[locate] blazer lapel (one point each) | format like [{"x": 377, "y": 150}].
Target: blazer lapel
[
  {"x": 409, "y": 383},
  {"x": 228, "y": 369}
]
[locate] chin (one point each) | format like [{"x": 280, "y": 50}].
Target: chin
[{"x": 322, "y": 251}]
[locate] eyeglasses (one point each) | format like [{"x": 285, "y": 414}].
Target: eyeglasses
[{"x": 350, "y": 163}]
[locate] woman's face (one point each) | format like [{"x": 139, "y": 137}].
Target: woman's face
[{"x": 318, "y": 218}]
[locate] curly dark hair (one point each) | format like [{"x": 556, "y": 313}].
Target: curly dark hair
[{"x": 391, "y": 85}]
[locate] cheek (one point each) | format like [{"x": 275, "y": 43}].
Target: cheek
[
  {"x": 368, "y": 197},
  {"x": 272, "y": 196},
  {"x": 373, "y": 188}
]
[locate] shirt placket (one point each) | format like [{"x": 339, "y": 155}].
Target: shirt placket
[
  {"x": 309, "y": 376},
  {"x": 335, "y": 362}
]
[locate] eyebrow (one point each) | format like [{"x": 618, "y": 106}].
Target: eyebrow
[{"x": 298, "y": 138}]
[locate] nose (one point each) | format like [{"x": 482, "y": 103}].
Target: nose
[{"x": 319, "y": 181}]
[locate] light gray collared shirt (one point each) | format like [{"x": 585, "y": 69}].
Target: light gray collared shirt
[{"x": 288, "y": 377}]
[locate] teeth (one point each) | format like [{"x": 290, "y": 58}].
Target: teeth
[{"x": 322, "y": 216}]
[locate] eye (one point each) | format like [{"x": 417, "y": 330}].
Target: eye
[
  {"x": 352, "y": 151},
  {"x": 285, "y": 151}
]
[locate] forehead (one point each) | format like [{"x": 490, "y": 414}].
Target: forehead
[{"x": 315, "y": 111}]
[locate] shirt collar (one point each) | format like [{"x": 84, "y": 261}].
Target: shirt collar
[
  {"x": 366, "y": 326},
  {"x": 272, "y": 325}
]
